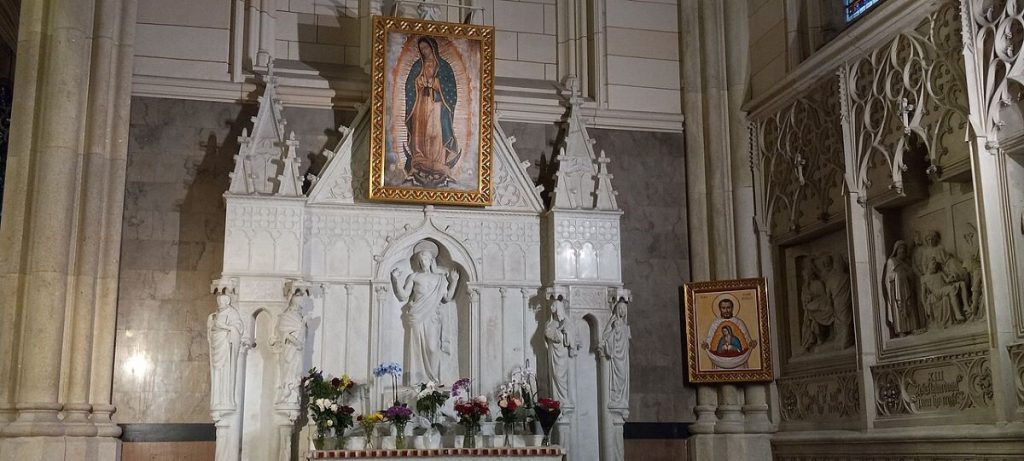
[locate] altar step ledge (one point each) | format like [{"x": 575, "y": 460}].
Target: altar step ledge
[{"x": 553, "y": 453}]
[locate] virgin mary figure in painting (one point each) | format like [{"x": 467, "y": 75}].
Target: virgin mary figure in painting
[{"x": 431, "y": 93}]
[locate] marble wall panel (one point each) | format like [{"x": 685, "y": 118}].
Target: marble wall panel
[{"x": 179, "y": 156}]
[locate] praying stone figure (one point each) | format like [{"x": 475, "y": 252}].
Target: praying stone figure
[
  {"x": 615, "y": 347},
  {"x": 425, "y": 291},
  {"x": 289, "y": 341},
  {"x": 901, "y": 308},
  {"x": 561, "y": 347},
  {"x": 224, "y": 331}
]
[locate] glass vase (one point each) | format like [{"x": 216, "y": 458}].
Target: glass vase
[
  {"x": 400, "y": 443},
  {"x": 547, "y": 419},
  {"x": 469, "y": 440},
  {"x": 509, "y": 429},
  {"x": 368, "y": 440}
]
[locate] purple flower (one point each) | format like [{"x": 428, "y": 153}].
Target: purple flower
[
  {"x": 388, "y": 368},
  {"x": 398, "y": 412},
  {"x": 460, "y": 384}
]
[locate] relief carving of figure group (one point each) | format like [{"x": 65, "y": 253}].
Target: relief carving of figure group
[
  {"x": 827, "y": 310},
  {"x": 927, "y": 287}
]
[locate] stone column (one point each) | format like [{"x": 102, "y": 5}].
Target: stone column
[
  {"x": 707, "y": 404},
  {"x": 60, "y": 239}
]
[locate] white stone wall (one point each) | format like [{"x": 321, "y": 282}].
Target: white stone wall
[
  {"x": 627, "y": 51},
  {"x": 183, "y": 39}
]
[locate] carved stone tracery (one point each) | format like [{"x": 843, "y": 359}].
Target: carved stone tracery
[
  {"x": 799, "y": 153},
  {"x": 910, "y": 91}
]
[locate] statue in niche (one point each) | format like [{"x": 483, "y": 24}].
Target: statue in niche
[
  {"x": 225, "y": 331},
  {"x": 425, "y": 291},
  {"x": 900, "y": 291},
  {"x": 615, "y": 347},
  {"x": 817, "y": 308},
  {"x": 289, "y": 341},
  {"x": 944, "y": 295},
  {"x": 561, "y": 347},
  {"x": 837, "y": 287}
]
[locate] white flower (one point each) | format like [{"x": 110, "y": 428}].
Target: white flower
[
  {"x": 481, "y": 398},
  {"x": 330, "y": 422},
  {"x": 334, "y": 407}
]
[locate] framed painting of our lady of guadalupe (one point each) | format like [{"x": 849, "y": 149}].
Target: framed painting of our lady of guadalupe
[
  {"x": 432, "y": 110},
  {"x": 727, "y": 331}
]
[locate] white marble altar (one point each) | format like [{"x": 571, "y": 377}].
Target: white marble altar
[{"x": 323, "y": 278}]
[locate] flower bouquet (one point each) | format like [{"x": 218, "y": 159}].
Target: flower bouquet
[
  {"x": 398, "y": 415},
  {"x": 430, "y": 397},
  {"x": 470, "y": 412},
  {"x": 547, "y": 411},
  {"x": 510, "y": 404},
  {"x": 524, "y": 379},
  {"x": 322, "y": 407},
  {"x": 393, "y": 369},
  {"x": 368, "y": 423}
]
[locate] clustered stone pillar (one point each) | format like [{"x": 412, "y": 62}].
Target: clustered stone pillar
[
  {"x": 720, "y": 204},
  {"x": 60, "y": 238}
]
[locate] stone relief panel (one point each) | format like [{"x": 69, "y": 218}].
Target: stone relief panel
[
  {"x": 263, "y": 238},
  {"x": 798, "y": 151},
  {"x": 1017, "y": 358},
  {"x": 818, "y": 308},
  {"x": 587, "y": 248},
  {"x": 830, "y": 400},
  {"x": 931, "y": 280},
  {"x": 937, "y": 387}
]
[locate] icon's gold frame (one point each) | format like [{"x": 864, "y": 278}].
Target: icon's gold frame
[
  {"x": 483, "y": 195},
  {"x": 763, "y": 327}
]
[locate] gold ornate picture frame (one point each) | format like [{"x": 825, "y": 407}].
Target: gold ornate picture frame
[
  {"x": 727, "y": 331},
  {"x": 432, "y": 112}
]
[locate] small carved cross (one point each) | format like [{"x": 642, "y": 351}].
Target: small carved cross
[{"x": 905, "y": 108}]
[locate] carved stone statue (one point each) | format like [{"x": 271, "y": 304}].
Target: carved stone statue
[
  {"x": 817, "y": 308},
  {"x": 837, "y": 286},
  {"x": 224, "y": 330},
  {"x": 427, "y": 341},
  {"x": 977, "y": 305},
  {"x": 901, "y": 308},
  {"x": 944, "y": 295},
  {"x": 561, "y": 347},
  {"x": 931, "y": 251},
  {"x": 615, "y": 347},
  {"x": 289, "y": 341}
]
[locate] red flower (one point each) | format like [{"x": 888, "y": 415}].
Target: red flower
[
  {"x": 336, "y": 382},
  {"x": 549, "y": 404}
]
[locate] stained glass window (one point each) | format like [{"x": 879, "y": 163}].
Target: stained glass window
[{"x": 857, "y": 8}]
